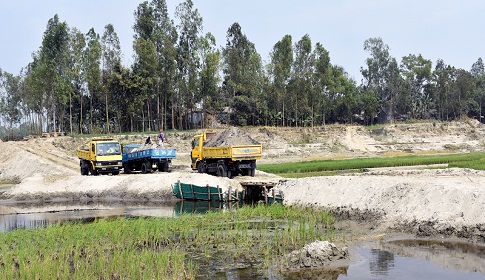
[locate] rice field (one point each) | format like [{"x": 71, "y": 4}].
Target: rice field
[
  {"x": 186, "y": 247},
  {"x": 334, "y": 167}
]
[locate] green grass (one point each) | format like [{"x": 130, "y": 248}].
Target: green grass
[
  {"x": 185, "y": 247},
  {"x": 330, "y": 167}
]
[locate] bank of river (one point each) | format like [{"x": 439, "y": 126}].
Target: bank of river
[{"x": 399, "y": 257}]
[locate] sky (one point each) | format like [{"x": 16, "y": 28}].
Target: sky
[{"x": 445, "y": 29}]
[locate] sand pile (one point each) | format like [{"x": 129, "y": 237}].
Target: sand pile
[{"x": 231, "y": 136}]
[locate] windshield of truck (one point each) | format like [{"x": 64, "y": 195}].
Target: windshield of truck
[{"x": 104, "y": 149}]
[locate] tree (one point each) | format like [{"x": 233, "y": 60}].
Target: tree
[
  {"x": 110, "y": 45},
  {"x": 242, "y": 75},
  {"x": 53, "y": 65},
  {"x": 77, "y": 45},
  {"x": 280, "y": 71},
  {"x": 376, "y": 75},
  {"x": 209, "y": 74},
  {"x": 301, "y": 91},
  {"x": 93, "y": 55},
  {"x": 478, "y": 73},
  {"x": 417, "y": 72},
  {"x": 10, "y": 100},
  {"x": 187, "y": 57},
  {"x": 165, "y": 37}
]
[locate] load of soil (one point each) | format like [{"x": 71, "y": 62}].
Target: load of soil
[{"x": 231, "y": 136}]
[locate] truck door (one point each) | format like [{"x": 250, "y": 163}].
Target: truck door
[{"x": 196, "y": 151}]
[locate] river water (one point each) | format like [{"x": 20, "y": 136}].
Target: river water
[{"x": 395, "y": 259}]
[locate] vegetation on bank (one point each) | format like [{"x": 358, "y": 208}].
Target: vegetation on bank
[
  {"x": 333, "y": 167},
  {"x": 162, "y": 248}
]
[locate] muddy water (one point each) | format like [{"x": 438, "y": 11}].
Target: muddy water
[{"x": 395, "y": 259}]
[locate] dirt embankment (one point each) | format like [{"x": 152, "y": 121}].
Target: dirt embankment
[{"x": 424, "y": 202}]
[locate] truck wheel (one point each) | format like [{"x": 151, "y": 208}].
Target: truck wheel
[
  {"x": 229, "y": 174},
  {"x": 144, "y": 168},
  {"x": 221, "y": 172},
  {"x": 251, "y": 172},
  {"x": 166, "y": 166},
  {"x": 200, "y": 167},
  {"x": 115, "y": 173},
  {"x": 126, "y": 168},
  {"x": 94, "y": 172}
]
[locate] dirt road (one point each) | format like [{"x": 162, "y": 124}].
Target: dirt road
[{"x": 447, "y": 202}]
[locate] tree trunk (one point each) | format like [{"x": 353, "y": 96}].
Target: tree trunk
[{"x": 107, "y": 115}]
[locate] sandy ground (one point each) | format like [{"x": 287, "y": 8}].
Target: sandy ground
[{"x": 424, "y": 202}]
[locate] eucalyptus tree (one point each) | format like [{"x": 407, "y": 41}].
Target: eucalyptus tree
[
  {"x": 92, "y": 70},
  {"x": 417, "y": 72},
  {"x": 53, "y": 64},
  {"x": 280, "y": 71},
  {"x": 443, "y": 77},
  {"x": 10, "y": 100},
  {"x": 322, "y": 82},
  {"x": 209, "y": 92},
  {"x": 462, "y": 94},
  {"x": 301, "y": 93},
  {"x": 165, "y": 38},
  {"x": 478, "y": 73},
  {"x": 376, "y": 74},
  {"x": 77, "y": 45},
  {"x": 146, "y": 60},
  {"x": 189, "y": 27},
  {"x": 242, "y": 70},
  {"x": 110, "y": 45}
]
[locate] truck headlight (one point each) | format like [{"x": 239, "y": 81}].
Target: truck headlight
[
  {"x": 119, "y": 162},
  {"x": 99, "y": 164}
]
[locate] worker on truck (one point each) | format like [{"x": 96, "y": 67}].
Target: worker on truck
[{"x": 161, "y": 138}]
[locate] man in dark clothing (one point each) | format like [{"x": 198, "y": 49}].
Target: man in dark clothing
[{"x": 161, "y": 138}]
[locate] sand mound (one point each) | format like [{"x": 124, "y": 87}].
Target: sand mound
[{"x": 231, "y": 136}]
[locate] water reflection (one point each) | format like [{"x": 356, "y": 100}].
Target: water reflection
[
  {"x": 202, "y": 207},
  {"x": 25, "y": 216},
  {"x": 398, "y": 259},
  {"x": 417, "y": 259},
  {"x": 381, "y": 262}
]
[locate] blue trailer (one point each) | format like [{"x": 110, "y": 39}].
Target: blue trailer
[{"x": 136, "y": 158}]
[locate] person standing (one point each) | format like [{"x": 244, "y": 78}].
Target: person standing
[{"x": 161, "y": 138}]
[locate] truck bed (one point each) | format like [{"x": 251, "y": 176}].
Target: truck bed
[
  {"x": 239, "y": 152},
  {"x": 164, "y": 153}
]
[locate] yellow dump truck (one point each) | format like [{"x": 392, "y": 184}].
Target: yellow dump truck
[
  {"x": 103, "y": 156},
  {"x": 224, "y": 161}
]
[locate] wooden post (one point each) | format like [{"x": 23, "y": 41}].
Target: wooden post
[
  {"x": 192, "y": 191},
  {"x": 265, "y": 194},
  {"x": 209, "y": 192},
  {"x": 180, "y": 190},
  {"x": 229, "y": 194},
  {"x": 237, "y": 194},
  {"x": 274, "y": 197},
  {"x": 219, "y": 193}
]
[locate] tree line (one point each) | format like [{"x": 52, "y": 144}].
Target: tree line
[{"x": 180, "y": 79}]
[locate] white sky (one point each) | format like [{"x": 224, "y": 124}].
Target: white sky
[{"x": 445, "y": 29}]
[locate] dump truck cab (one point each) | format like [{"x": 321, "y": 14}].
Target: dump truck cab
[
  {"x": 102, "y": 157},
  {"x": 197, "y": 145}
]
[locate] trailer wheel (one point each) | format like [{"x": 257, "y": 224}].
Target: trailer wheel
[{"x": 221, "y": 171}]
